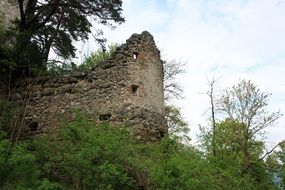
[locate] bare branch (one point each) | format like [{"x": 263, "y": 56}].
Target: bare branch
[
  {"x": 261, "y": 158},
  {"x": 271, "y": 150},
  {"x": 172, "y": 89}
]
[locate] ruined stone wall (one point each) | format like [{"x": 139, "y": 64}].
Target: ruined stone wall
[
  {"x": 8, "y": 12},
  {"x": 125, "y": 90}
]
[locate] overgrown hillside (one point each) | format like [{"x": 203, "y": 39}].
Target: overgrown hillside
[{"x": 85, "y": 156}]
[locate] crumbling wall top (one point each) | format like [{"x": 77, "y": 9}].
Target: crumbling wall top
[{"x": 135, "y": 48}]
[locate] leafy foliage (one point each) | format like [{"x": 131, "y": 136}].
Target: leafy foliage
[
  {"x": 281, "y": 155},
  {"x": 246, "y": 103},
  {"x": 177, "y": 126},
  {"x": 6, "y": 54},
  {"x": 9, "y": 110},
  {"x": 19, "y": 168},
  {"x": 87, "y": 156},
  {"x": 53, "y": 25},
  {"x": 239, "y": 137},
  {"x": 67, "y": 67},
  {"x": 56, "y": 68},
  {"x": 276, "y": 165},
  {"x": 230, "y": 154},
  {"x": 97, "y": 57}
]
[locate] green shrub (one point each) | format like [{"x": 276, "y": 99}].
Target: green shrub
[
  {"x": 88, "y": 156},
  {"x": 85, "y": 156},
  {"x": 9, "y": 111},
  {"x": 66, "y": 67},
  {"x": 97, "y": 57}
]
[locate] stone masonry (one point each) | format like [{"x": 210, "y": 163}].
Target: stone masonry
[
  {"x": 8, "y": 12},
  {"x": 126, "y": 90}
]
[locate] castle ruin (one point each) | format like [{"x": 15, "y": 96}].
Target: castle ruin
[{"x": 126, "y": 90}]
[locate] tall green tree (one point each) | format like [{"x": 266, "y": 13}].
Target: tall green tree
[
  {"x": 239, "y": 135},
  {"x": 55, "y": 24},
  {"x": 246, "y": 104},
  {"x": 230, "y": 155}
]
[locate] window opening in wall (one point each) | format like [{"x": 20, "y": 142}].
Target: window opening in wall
[
  {"x": 33, "y": 126},
  {"x": 161, "y": 134},
  {"x": 104, "y": 117},
  {"x": 136, "y": 54},
  {"x": 135, "y": 89}
]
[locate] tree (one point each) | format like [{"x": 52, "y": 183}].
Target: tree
[
  {"x": 229, "y": 144},
  {"x": 230, "y": 157},
  {"x": 54, "y": 24},
  {"x": 246, "y": 104},
  {"x": 172, "y": 89},
  {"x": 212, "y": 97},
  {"x": 275, "y": 163},
  {"x": 239, "y": 134},
  {"x": 6, "y": 59},
  {"x": 281, "y": 156},
  {"x": 177, "y": 126}
]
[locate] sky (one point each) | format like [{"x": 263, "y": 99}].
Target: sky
[{"x": 225, "y": 39}]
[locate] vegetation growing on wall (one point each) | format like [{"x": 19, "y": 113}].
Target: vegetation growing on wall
[
  {"x": 89, "y": 62},
  {"x": 97, "y": 57}
]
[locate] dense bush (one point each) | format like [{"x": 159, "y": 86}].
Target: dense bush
[
  {"x": 86, "y": 156},
  {"x": 96, "y": 57}
]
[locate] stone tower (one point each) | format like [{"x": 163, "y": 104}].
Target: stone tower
[{"x": 124, "y": 90}]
